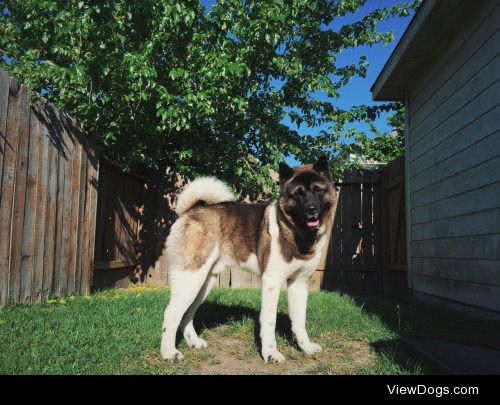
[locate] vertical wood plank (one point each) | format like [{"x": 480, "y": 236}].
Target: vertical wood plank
[
  {"x": 377, "y": 257},
  {"x": 128, "y": 220},
  {"x": 16, "y": 243},
  {"x": 49, "y": 255},
  {"x": 382, "y": 232},
  {"x": 81, "y": 222},
  {"x": 119, "y": 221},
  {"x": 336, "y": 239},
  {"x": 85, "y": 279},
  {"x": 347, "y": 221},
  {"x": 101, "y": 213},
  {"x": 41, "y": 212},
  {"x": 246, "y": 279},
  {"x": 367, "y": 246},
  {"x": 4, "y": 105},
  {"x": 61, "y": 172},
  {"x": 236, "y": 277},
  {"x": 256, "y": 281},
  {"x": 109, "y": 218},
  {"x": 225, "y": 277},
  {"x": 28, "y": 234},
  {"x": 356, "y": 224},
  {"x": 8, "y": 185},
  {"x": 64, "y": 259},
  {"x": 138, "y": 204},
  {"x": 122, "y": 245},
  {"x": 94, "y": 179},
  {"x": 75, "y": 218}
]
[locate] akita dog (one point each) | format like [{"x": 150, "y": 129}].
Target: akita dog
[{"x": 282, "y": 240}]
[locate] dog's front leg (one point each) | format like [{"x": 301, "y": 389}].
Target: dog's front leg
[
  {"x": 270, "y": 295},
  {"x": 297, "y": 307}
]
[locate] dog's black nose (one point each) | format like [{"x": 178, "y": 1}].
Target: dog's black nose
[{"x": 312, "y": 210}]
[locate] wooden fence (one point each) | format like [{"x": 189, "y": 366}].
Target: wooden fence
[
  {"x": 71, "y": 221},
  {"x": 353, "y": 259},
  {"x": 367, "y": 251},
  {"x": 393, "y": 219},
  {"x": 118, "y": 225},
  {"x": 48, "y": 175}
]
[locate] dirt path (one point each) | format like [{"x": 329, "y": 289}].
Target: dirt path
[{"x": 235, "y": 353}]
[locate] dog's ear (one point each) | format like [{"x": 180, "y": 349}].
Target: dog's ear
[
  {"x": 322, "y": 167},
  {"x": 285, "y": 173}
]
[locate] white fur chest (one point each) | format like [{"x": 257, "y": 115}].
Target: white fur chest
[{"x": 278, "y": 266}]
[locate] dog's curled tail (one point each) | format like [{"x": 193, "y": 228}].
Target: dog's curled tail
[{"x": 207, "y": 189}]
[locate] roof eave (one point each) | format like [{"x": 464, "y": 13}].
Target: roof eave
[{"x": 385, "y": 87}]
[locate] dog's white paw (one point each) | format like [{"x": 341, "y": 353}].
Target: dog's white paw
[
  {"x": 311, "y": 348},
  {"x": 272, "y": 355},
  {"x": 197, "y": 343},
  {"x": 173, "y": 356}
]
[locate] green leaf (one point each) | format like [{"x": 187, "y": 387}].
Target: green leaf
[{"x": 175, "y": 73}]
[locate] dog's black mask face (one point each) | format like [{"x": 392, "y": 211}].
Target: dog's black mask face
[{"x": 307, "y": 193}]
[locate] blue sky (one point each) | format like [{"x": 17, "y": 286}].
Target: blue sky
[{"x": 357, "y": 91}]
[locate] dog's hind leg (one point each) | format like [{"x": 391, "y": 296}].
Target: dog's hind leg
[
  {"x": 185, "y": 286},
  {"x": 187, "y": 327}
]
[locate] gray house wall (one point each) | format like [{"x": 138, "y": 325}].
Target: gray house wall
[{"x": 453, "y": 155}]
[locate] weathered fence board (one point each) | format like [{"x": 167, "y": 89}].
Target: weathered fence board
[
  {"x": 4, "y": 104},
  {"x": 41, "y": 211},
  {"x": 393, "y": 223},
  {"x": 19, "y": 126},
  {"x": 46, "y": 168},
  {"x": 50, "y": 224},
  {"x": 117, "y": 230},
  {"x": 351, "y": 264},
  {"x": 27, "y": 254}
]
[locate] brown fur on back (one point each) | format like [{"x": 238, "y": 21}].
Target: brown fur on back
[{"x": 240, "y": 229}]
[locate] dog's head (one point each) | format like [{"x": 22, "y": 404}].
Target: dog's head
[{"x": 307, "y": 193}]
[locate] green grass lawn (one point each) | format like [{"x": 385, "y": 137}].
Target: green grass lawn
[{"x": 118, "y": 332}]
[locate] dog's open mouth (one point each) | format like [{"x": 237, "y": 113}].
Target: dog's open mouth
[{"x": 313, "y": 223}]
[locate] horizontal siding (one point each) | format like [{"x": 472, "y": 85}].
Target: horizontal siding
[
  {"x": 483, "y": 174},
  {"x": 478, "y": 152},
  {"x": 477, "y": 223},
  {"x": 461, "y": 59},
  {"x": 477, "y": 200},
  {"x": 474, "y": 271},
  {"x": 480, "y": 295},
  {"x": 466, "y": 247},
  {"x": 443, "y": 110},
  {"x": 473, "y": 132},
  {"x": 459, "y": 114}
]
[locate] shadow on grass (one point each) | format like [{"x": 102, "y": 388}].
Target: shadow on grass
[
  {"x": 421, "y": 320},
  {"x": 430, "y": 321},
  {"x": 211, "y": 315}
]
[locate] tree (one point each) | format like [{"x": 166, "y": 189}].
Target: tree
[
  {"x": 164, "y": 84},
  {"x": 383, "y": 147}
]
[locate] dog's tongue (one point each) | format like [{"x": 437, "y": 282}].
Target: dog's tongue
[{"x": 313, "y": 223}]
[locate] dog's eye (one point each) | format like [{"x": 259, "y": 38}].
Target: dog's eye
[
  {"x": 319, "y": 191},
  {"x": 297, "y": 192}
]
